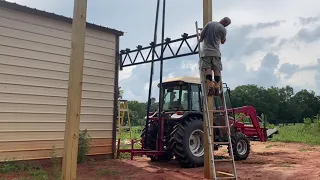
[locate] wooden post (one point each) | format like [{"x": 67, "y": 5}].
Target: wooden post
[
  {"x": 207, "y": 16},
  {"x": 69, "y": 165},
  {"x": 207, "y": 11}
]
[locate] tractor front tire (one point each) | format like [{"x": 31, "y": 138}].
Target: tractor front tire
[
  {"x": 187, "y": 142},
  {"x": 151, "y": 139},
  {"x": 240, "y": 146}
]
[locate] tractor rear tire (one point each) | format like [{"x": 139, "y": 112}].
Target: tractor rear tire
[
  {"x": 186, "y": 144},
  {"x": 240, "y": 145}
]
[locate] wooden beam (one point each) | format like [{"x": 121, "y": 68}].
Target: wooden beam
[
  {"x": 207, "y": 17},
  {"x": 69, "y": 165},
  {"x": 207, "y": 11}
]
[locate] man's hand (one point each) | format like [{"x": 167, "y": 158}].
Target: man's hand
[
  {"x": 201, "y": 38},
  {"x": 223, "y": 41}
]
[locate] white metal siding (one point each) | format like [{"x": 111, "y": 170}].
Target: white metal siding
[{"x": 34, "y": 72}]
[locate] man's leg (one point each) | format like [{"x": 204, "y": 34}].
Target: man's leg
[
  {"x": 217, "y": 75},
  {"x": 207, "y": 68},
  {"x": 217, "y": 68}
]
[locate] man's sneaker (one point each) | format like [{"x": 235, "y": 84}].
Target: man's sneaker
[
  {"x": 216, "y": 88},
  {"x": 211, "y": 89},
  {"x": 216, "y": 91}
]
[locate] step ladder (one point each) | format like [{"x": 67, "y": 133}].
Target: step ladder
[
  {"x": 123, "y": 109},
  {"x": 207, "y": 115}
]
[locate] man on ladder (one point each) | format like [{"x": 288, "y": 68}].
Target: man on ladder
[{"x": 213, "y": 34}]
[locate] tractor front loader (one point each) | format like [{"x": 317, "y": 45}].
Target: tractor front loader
[{"x": 181, "y": 132}]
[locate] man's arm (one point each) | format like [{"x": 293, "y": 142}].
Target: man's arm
[
  {"x": 203, "y": 32},
  {"x": 201, "y": 36},
  {"x": 223, "y": 36}
]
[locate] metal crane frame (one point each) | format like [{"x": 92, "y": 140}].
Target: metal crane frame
[{"x": 131, "y": 56}]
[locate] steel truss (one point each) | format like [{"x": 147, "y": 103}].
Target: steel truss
[{"x": 131, "y": 56}]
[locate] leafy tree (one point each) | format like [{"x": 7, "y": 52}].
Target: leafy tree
[
  {"x": 154, "y": 105},
  {"x": 120, "y": 95},
  {"x": 278, "y": 104}
]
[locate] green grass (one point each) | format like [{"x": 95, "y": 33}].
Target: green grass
[
  {"x": 125, "y": 139},
  {"x": 106, "y": 171},
  {"x": 269, "y": 146},
  {"x": 125, "y": 136},
  {"x": 35, "y": 171},
  {"x": 136, "y": 133},
  {"x": 303, "y": 150},
  {"x": 300, "y": 133},
  {"x": 16, "y": 166},
  {"x": 101, "y": 172}
]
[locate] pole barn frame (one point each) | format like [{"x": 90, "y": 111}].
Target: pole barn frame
[{"x": 69, "y": 165}]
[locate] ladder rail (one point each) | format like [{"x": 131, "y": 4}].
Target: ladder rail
[
  {"x": 129, "y": 121},
  {"x": 229, "y": 131},
  {"x": 121, "y": 115},
  {"x": 204, "y": 98}
]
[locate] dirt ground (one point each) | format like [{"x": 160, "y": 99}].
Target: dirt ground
[{"x": 281, "y": 161}]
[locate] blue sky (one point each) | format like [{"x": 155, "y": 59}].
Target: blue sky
[{"x": 269, "y": 43}]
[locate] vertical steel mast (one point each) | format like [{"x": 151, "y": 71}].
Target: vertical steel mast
[
  {"x": 161, "y": 66},
  {"x": 153, "y": 44}
]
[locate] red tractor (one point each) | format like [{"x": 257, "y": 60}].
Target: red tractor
[{"x": 179, "y": 131}]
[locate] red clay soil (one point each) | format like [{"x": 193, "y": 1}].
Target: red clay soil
[{"x": 281, "y": 161}]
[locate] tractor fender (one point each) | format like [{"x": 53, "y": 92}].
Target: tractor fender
[{"x": 188, "y": 114}]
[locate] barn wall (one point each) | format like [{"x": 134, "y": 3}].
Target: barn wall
[{"x": 34, "y": 67}]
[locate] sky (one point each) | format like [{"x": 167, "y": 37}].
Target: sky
[{"x": 269, "y": 43}]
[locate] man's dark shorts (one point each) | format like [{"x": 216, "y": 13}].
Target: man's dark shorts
[{"x": 212, "y": 62}]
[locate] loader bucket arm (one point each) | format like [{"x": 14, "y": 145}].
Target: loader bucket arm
[{"x": 251, "y": 112}]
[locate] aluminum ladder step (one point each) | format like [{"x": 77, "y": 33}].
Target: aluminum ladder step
[
  {"x": 226, "y": 178},
  {"x": 217, "y": 111},
  {"x": 223, "y": 160},
  {"x": 219, "y": 127},
  {"x": 222, "y": 143}
]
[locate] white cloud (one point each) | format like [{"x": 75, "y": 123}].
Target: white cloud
[
  {"x": 285, "y": 29},
  {"x": 252, "y": 62},
  {"x": 305, "y": 55},
  {"x": 153, "y": 85},
  {"x": 303, "y": 80},
  {"x": 126, "y": 73},
  {"x": 192, "y": 66}
]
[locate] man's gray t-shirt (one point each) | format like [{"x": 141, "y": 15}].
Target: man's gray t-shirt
[{"x": 214, "y": 32}]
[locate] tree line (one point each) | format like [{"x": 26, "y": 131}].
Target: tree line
[{"x": 280, "y": 105}]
